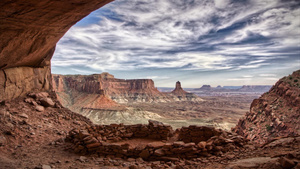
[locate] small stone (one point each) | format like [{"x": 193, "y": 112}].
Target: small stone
[
  {"x": 46, "y": 166},
  {"x": 130, "y": 159},
  {"x": 23, "y": 115},
  {"x": 139, "y": 160},
  {"x": 2, "y": 140},
  {"x": 82, "y": 159},
  {"x": 178, "y": 143},
  {"x": 202, "y": 144},
  {"x": 39, "y": 108},
  {"x": 231, "y": 156},
  {"x": 159, "y": 152},
  {"x": 30, "y": 101}
]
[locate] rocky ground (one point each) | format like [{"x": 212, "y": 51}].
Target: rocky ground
[
  {"x": 33, "y": 132},
  {"x": 222, "y": 111},
  {"x": 276, "y": 113}
]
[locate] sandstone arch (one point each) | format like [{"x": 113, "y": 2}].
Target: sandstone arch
[{"x": 29, "y": 31}]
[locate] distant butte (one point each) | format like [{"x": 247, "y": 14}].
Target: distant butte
[{"x": 178, "y": 89}]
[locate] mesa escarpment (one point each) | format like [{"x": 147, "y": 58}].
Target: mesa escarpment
[
  {"x": 276, "y": 113},
  {"x": 29, "y": 32},
  {"x": 119, "y": 90},
  {"x": 105, "y": 99}
]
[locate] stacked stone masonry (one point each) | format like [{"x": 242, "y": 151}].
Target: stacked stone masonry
[{"x": 112, "y": 140}]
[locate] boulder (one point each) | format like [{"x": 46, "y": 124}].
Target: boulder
[
  {"x": 255, "y": 162},
  {"x": 144, "y": 154},
  {"x": 286, "y": 163},
  {"x": 47, "y": 102},
  {"x": 39, "y": 108}
]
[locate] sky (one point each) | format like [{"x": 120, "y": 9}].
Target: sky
[{"x": 197, "y": 42}]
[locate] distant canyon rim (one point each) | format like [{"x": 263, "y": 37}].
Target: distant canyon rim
[{"x": 105, "y": 99}]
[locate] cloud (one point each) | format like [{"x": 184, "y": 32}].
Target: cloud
[
  {"x": 191, "y": 35},
  {"x": 157, "y": 77},
  {"x": 267, "y": 75}
]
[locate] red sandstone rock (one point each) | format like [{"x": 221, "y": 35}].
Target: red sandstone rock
[
  {"x": 287, "y": 163},
  {"x": 275, "y": 113},
  {"x": 47, "y": 102},
  {"x": 178, "y": 89}
]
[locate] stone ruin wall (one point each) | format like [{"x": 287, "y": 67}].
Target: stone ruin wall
[{"x": 110, "y": 140}]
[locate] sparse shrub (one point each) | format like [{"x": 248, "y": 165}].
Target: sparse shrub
[
  {"x": 269, "y": 128},
  {"x": 296, "y": 80},
  {"x": 259, "y": 112},
  {"x": 291, "y": 78},
  {"x": 250, "y": 129}
]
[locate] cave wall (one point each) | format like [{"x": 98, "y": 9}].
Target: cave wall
[{"x": 29, "y": 31}]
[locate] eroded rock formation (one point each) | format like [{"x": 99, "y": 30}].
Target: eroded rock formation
[
  {"x": 276, "y": 113},
  {"x": 181, "y": 95},
  {"x": 119, "y": 90},
  {"x": 178, "y": 89},
  {"x": 29, "y": 32}
]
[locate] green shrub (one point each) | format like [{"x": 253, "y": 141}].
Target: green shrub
[{"x": 269, "y": 128}]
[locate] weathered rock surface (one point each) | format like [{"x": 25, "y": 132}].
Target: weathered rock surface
[
  {"x": 29, "y": 31},
  {"x": 255, "y": 163},
  {"x": 276, "y": 113},
  {"x": 119, "y": 90},
  {"x": 15, "y": 82}
]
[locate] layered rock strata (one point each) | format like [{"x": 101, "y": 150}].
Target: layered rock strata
[
  {"x": 109, "y": 141},
  {"x": 275, "y": 114},
  {"x": 119, "y": 90},
  {"x": 29, "y": 32}
]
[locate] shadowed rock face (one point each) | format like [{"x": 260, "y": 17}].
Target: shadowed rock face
[
  {"x": 275, "y": 114},
  {"x": 29, "y": 31}
]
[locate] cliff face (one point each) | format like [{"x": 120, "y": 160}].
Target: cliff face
[
  {"x": 119, "y": 90},
  {"x": 276, "y": 113},
  {"x": 29, "y": 31}
]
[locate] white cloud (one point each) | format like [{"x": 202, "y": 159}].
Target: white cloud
[
  {"x": 142, "y": 34},
  {"x": 267, "y": 75},
  {"x": 157, "y": 77}
]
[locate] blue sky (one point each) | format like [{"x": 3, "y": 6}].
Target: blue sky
[{"x": 220, "y": 42}]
